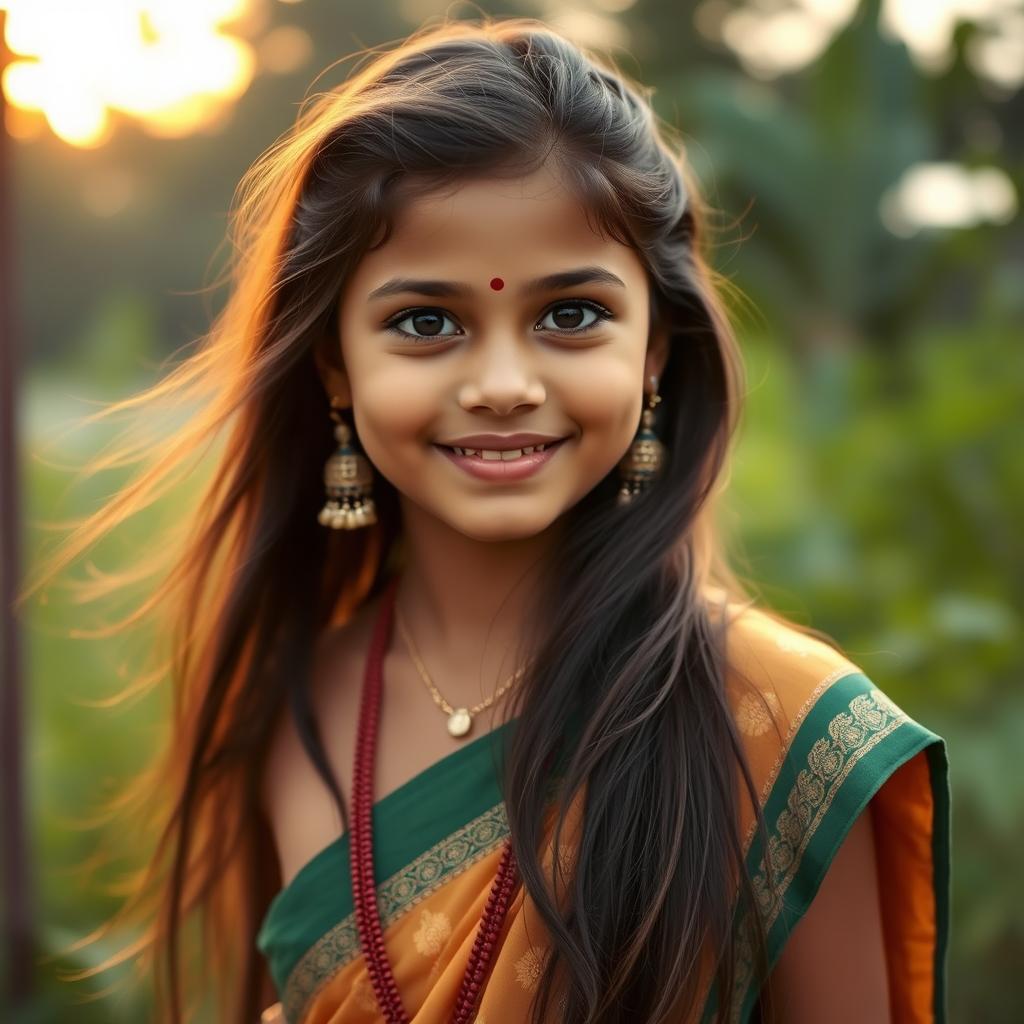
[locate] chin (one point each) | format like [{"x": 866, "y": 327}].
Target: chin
[{"x": 500, "y": 526}]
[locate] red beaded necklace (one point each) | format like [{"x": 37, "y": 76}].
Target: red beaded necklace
[{"x": 364, "y": 890}]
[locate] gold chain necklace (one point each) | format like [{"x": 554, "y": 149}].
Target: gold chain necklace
[{"x": 460, "y": 720}]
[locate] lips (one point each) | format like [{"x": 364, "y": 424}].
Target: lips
[
  {"x": 502, "y": 470},
  {"x": 477, "y": 453}
]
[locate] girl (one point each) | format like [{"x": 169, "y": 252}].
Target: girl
[{"x": 472, "y": 720}]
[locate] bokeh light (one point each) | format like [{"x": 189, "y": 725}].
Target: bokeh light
[
  {"x": 172, "y": 66},
  {"x": 948, "y": 195},
  {"x": 776, "y": 37}
]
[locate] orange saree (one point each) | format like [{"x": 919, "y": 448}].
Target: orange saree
[{"x": 823, "y": 744}]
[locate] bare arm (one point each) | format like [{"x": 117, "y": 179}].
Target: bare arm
[{"x": 833, "y": 964}]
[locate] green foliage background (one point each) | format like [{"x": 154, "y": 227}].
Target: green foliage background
[{"x": 878, "y": 485}]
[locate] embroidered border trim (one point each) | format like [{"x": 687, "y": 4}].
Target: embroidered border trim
[
  {"x": 398, "y": 894},
  {"x": 794, "y": 727}
]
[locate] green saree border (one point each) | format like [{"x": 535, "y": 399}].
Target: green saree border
[
  {"x": 409, "y": 823},
  {"x": 453, "y": 801},
  {"x": 431, "y": 870},
  {"x": 851, "y": 740}
]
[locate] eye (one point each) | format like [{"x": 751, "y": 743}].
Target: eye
[
  {"x": 422, "y": 318},
  {"x": 427, "y": 321},
  {"x": 567, "y": 317}
]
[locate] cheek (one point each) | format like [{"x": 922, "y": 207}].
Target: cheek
[
  {"x": 605, "y": 398},
  {"x": 394, "y": 410},
  {"x": 396, "y": 403}
]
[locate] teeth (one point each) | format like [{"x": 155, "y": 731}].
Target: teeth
[{"x": 492, "y": 455}]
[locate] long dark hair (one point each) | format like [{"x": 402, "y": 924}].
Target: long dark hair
[{"x": 625, "y": 628}]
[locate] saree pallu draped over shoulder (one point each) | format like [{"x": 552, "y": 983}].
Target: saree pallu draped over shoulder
[{"x": 823, "y": 743}]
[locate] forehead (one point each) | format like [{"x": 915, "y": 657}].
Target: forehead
[{"x": 514, "y": 228}]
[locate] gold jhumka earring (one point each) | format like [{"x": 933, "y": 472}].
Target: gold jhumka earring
[
  {"x": 348, "y": 477},
  {"x": 643, "y": 462}
]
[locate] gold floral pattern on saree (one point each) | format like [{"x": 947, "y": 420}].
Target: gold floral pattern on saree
[
  {"x": 403, "y": 890},
  {"x": 752, "y": 717},
  {"x": 529, "y": 968},
  {"x": 432, "y": 933},
  {"x": 870, "y": 717}
]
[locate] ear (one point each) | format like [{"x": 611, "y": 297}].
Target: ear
[
  {"x": 657, "y": 353},
  {"x": 329, "y": 365}
]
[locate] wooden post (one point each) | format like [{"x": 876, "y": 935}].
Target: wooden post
[{"x": 17, "y": 923}]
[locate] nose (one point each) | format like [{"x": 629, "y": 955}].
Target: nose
[{"x": 502, "y": 377}]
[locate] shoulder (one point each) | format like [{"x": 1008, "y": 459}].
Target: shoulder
[
  {"x": 294, "y": 800},
  {"x": 824, "y": 744},
  {"x": 797, "y": 697},
  {"x": 776, "y": 671},
  {"x": 814, "y": 727}
]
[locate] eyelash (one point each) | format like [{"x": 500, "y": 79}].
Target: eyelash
[{"x": 602, "y": 315}]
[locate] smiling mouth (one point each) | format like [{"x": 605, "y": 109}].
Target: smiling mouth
[{"x": 494, "y": 455}]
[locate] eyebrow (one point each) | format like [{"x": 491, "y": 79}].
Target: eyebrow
[{"x": 550, "y": 282}]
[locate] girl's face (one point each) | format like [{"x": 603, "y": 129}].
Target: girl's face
[{"x": 451, "y": 330}]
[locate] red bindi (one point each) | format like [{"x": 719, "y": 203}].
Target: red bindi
[{"x": 497, "y": 284}]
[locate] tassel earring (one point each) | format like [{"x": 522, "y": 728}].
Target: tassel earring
[
  {"x": 348, "y": 477},
  {"x": 643, "y": 462}
]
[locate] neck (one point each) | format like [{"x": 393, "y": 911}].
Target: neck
[{"x": 463, "y": 601}]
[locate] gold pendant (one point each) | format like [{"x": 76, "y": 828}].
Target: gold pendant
[{"x": 459, "y": 722}]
